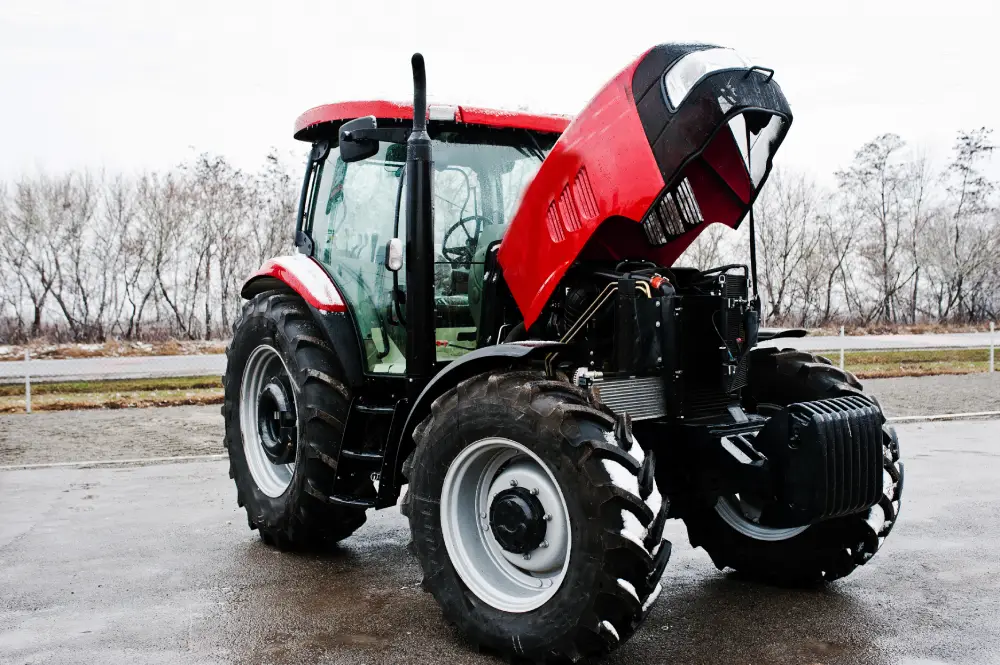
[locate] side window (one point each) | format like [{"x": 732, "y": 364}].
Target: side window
[
  {"x": 351, "y": 222},
  {"x": 458, "y": 221},
  {"x": 354, "y": 207}
]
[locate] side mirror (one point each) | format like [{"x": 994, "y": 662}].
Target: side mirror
[
  {"x": 355, "y": 143},
  {"x": 394, "y": 255}
]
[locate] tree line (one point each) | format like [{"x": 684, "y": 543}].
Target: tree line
[
  {"x": 90, "y": 256},
  {"x": 87, "y": 256},
  {"x": 897, "y": 240}
]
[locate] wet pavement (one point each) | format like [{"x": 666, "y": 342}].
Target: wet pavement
[{"x": 155, "y": 564}]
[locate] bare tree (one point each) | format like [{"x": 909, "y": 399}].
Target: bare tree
[
  {"x": 965, "y": 251},
  {"x": 879, "y": 187},
  {"x": 787, "y": 238},
  {"x": 708, "y": 249},
  {"x": 25, "y": 234}
]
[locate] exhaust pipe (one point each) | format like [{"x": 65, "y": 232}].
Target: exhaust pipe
[{"x": 420, "y": 348}]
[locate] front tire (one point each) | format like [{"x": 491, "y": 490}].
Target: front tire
[
  {"x": 599, "y": 565},
  {"x": 824, "y": 551},
  {"x": 284, "y": 410}
]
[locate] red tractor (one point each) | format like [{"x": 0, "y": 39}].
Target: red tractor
[{"x": 484, "y": 310}]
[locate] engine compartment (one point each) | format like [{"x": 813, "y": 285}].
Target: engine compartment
[{"x": 658, "y": 342}]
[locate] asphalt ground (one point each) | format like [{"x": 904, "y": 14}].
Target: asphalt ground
[{"x": 155, "y": 564}]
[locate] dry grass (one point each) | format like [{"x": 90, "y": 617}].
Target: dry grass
[
  {"x": 179, "y": 383},
  {"x": 916, "y": 362},
  {"x": 901, "y": 329},
  {"x": 111, "y": 400},
  {"x": 114, "y": 394}
]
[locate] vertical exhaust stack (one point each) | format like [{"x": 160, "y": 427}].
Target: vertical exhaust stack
[{"x": 420, "y": 348}]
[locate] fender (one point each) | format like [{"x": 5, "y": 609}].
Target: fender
[
  {"x": 778, "y": 333},
  {"x": 307, "y": 278},
  {"x": 469, "y": 365},
  {"x": 300, "y": 273}
]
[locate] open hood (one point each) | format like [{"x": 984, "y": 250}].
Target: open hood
[{"x": 681, "y": 138}]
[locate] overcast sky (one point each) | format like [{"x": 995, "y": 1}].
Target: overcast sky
[{"x": 134, "y": 84}]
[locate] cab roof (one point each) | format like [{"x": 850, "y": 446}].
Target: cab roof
[{"x": 308, "y": 126}]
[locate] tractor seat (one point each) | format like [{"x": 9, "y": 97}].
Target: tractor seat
[{"x": 452, "y": 312}]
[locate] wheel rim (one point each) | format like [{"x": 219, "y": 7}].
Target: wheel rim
[
  {"x": 260, "y": 406},
  {"x": 741, "y": 515},
  {"x": 512, "y": 581}
]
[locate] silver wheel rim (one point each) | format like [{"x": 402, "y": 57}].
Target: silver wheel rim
[
  {"x": 740, "y": 515},
  {"x": 507, "y": 581},
  {"x": 272, "y": 479}
]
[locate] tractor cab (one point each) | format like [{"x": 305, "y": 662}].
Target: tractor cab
[{"x": 354, "y": 208}]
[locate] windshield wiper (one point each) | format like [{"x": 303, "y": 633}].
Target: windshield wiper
[{"x": 534, "y": 149}]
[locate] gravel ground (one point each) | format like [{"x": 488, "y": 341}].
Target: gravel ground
[
  {"x": 932, "y": 395},
  {"x": 78, "y": 436}
]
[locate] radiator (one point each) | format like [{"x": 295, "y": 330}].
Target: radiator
[{"x": 641, "y": 397}]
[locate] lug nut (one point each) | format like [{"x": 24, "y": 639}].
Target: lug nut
[
  {"x": 513, "y": 483},
  {"x": 534, "y": 490},
  {"x": 527, "y": 556},
  {"x": 545, "y": 543},
  {"x": 547, "y": 517},
  {"x": 482, "y": 516}
]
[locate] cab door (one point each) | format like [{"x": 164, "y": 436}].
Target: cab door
[{"x": 351, "y": 220}]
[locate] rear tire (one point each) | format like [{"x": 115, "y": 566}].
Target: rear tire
[
  {"x": 287, "y": 503},
  {"x": 614, "y": 517},
  {"x": 824, "y": 551}
]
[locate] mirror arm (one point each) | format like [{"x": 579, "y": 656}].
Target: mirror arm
[{"x": 383, "y": 134}]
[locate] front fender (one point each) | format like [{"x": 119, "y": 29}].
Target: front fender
[
  {"x": 301, "y": 274},
  {"x": 499, "y": 356},
  {"x": 307, "y": 278}
]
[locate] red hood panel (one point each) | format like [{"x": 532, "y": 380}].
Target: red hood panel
[{"x": 600, "y": 167}]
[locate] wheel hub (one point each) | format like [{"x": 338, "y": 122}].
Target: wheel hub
[
  {"x": 276, "y": 421},
  {"x": 517, "y": 519},
  {"x": 505, "y": 524}
]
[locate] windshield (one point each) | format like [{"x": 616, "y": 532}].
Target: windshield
[
  {"x": 355, "y": 203},
  {"x": 477, "y": 187}
]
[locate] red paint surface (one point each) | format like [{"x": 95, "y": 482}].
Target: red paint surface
[
  {"x": 553, "y": 124},
  {"x": 608, "y": 142},
  {"x": 306, "y": 278}
]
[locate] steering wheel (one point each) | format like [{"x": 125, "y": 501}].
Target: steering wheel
[{"x": 462, "y": 253}]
